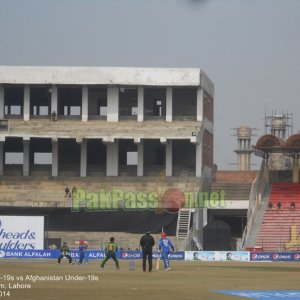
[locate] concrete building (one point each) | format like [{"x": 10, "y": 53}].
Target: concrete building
[
  {"x": 110, "y": 121},
  {"x": 136, "y": 129}
]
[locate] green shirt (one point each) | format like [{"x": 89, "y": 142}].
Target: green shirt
[
  {"x": 64, "y": 249},
  {"x": 111, "y": 247}
]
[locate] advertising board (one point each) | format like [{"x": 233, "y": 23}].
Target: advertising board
[{"x": 21, "y": 232}]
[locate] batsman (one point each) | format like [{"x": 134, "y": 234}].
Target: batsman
[{"x": 164, "y": 247}]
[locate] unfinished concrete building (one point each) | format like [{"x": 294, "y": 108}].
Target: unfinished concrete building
[
  {"x": 111, "y": 121},
  {"x": 93, "y": 127}
]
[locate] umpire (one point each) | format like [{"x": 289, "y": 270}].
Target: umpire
[{"x": 147, "y": 242}]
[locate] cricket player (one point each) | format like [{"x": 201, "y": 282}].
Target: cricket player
[
  {"x": 110, "y": 251},
  {"x": 81, "y": 249},
  {"x": 86, "y": 255},
  {"x": 64, "y": 252},
  {"x": 164, "y": 247}
]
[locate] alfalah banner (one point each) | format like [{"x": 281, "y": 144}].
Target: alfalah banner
[
  {"x": 21, "y": 232},
  {"x": 49, "y": 254},
  {"x": 275, "y": 256},
  {"x": 90, "y": 254}
]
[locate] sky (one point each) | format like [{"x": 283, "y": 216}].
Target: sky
[{"x": 250, "y": 49}]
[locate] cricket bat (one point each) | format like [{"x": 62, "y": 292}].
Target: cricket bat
[
  {"x": 158, "y": 262},
  {"x": 158, "y": 254}
]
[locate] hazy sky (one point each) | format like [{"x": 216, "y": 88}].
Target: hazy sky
[{"x": 249, "y": 48}]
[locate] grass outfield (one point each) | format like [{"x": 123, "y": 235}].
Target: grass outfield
[{"x": 186, "y": 280}]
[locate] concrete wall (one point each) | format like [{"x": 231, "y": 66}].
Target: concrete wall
[
  {"x": 207, "y": 151},
  {"x": 101, "y": 75},
  {"x": 235, "y": 176},
  {"x": 208, "y": 107}
]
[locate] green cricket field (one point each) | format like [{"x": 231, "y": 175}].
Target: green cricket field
[{"x": 45, "y": 279}]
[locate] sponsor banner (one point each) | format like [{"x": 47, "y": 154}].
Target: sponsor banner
[
  {"x": 232, "y": 255},
  {"x": 260, "y": 256},
  {"x": 21, "y": 233},
  {"x": 50, "y": 254},
  {"x": 178, "y": 255},
  {"x": 264, "y": 294},
  {"x": 200, "y": 255},
  {"x": 275, "y": 256},
  {"x": 91, "y": 254},
  {"x": 29, "y": 253},
  {"x": 217, "y": 255},
  {"x": 129, "y": 254}
]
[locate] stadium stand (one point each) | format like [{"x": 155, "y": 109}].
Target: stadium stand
[
  {"x": 280, "y": 228},
  {"x": 233, "y": 191},
  {"x": 42, "y": 192}
]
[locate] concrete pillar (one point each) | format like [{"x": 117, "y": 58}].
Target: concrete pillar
[
  {"x": 1, "y": 102},
  {"x": 266, "y": 170},
  {"x": 83, "y": 158},
  {"x": 84, "y": 104},
  {"x": 113, "y": 104},
  {"x": 200, "y": 218},
  {"x": 112, "y": 158},
  {"x": 169, "y": 105},
  {"x": 54, "y": 158},
  {"x": 296, "y": 170},
  {"x": 54, "y": 99},
  {"x": 26, "y": 161},
  {"x": 200, "y": 221},
  {"x": 140, "y": 117},
  {"x": 243, "y": 160},
  {"x": 26, "y": 106},
  {"x": 200, "y": 99},
  {"x": 169, "y": 158},
  {"x": 140, "y": 154},
  {"x": 199, "y": 160},
  {"x": 1, "y": 157}
]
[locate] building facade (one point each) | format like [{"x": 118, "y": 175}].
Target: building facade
[{"x": 96, "y": 121}]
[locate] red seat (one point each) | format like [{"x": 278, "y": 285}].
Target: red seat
[{"x": 276, "y": 225}]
